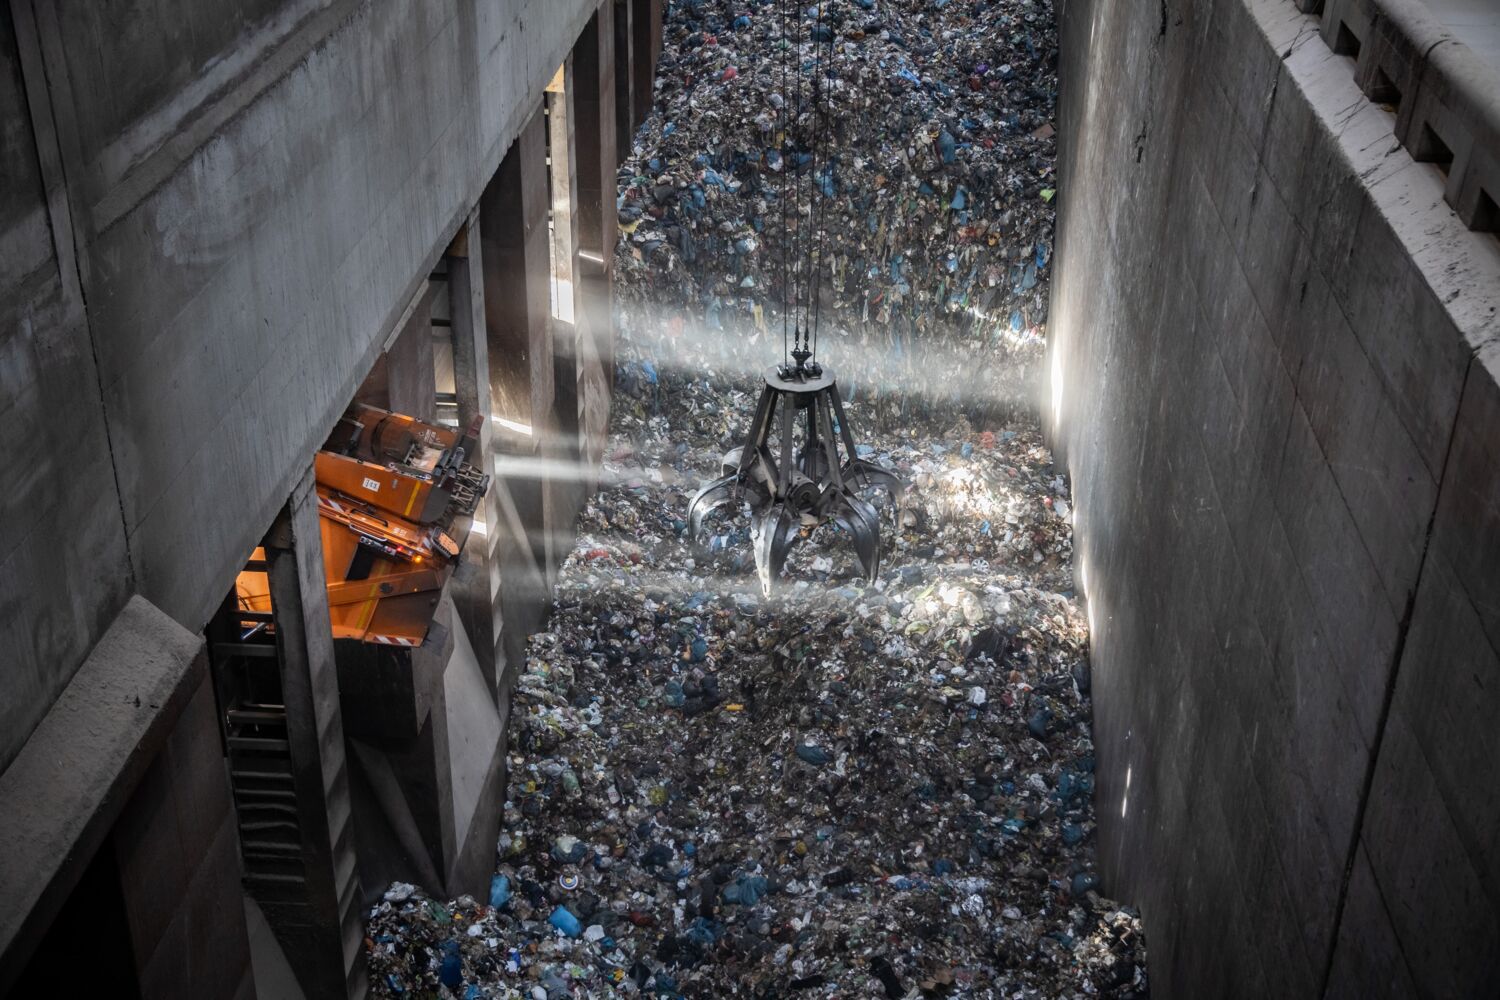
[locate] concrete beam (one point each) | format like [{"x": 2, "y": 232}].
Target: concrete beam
[
  {"x": 624, "y": 13},
  {"x": 645, "y": 47},
  {"x": 516, "y": 261},
  {"x": 475, "y": 588},
  {"x": 319, "y": 925},
  {"x": 598, "y": 223}
]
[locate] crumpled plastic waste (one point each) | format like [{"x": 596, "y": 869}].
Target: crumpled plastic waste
[
  {"x": 933, "y": 227},
  {"x": 846, "y": 789}
]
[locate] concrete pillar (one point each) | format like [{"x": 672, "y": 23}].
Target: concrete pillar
[
  {"x": 645, "y": 45},
  {"x": 561, "y": 494},
  {"x": 624, "y": 77},
  {"x": 403, "y": 377},
  {"x": 515, "y": 262},
  {"x": 594, "y": 105},
  {"x": 412, "y": 378},
  {"x": 595, "y": 140},
  {"x": 476, "y": 584},
  {"x": 466, "y": 314},
  {"x": 515, "y": 254},
  {"x": 568, "y": 321},
  {"x": 316, "y": 919}
]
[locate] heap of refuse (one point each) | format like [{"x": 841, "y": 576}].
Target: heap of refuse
[
  {"x": 846, "y": 789},
  {"x": 934, "y": 184},
  {"x": 841, "y": 791}
]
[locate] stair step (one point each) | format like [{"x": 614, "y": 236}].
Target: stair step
[
  {"x": 251, "y": 650},
  {"x": 267, "y": 826},
  {"x": 253, "y": 812},
  {"x": 280, "y": 879},
  {"x": 260, "y": 794},
  {"x": 277, "y": 776},
  {"x": 260, "y": 743},
  {"x": 256, "y": 717},
  {"x": 275, "y": 865},
  {"x": 289, "y": 848},
  {"x": 281, "y": 889}
]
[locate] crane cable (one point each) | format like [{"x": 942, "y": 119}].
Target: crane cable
[
  {"x": 785, "y": 271},
  {"x": 821, "y": 118}
]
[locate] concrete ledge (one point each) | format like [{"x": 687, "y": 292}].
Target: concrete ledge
[
  {"x": 61, "y": 795},
  {"x": 1447, "y": 98}
]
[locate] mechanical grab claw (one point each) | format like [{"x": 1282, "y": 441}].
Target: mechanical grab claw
[{"x": 792, "y": 488}]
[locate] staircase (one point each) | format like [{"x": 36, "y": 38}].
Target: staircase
[{"x": 295, "y": 882}]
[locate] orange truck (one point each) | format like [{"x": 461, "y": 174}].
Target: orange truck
[{"x": 395, "y": 496}]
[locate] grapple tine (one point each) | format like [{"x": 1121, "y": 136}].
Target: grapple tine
[
  {"x": 867, "y": 473},
  {"x": 789, "y": 533},
  {"x": 786, "y": 488},
  {"x": 704, "y": 510},
  {"x": 760, "y": 544},
  {"x": 768, "y": 535},
  {"x": 709, "y": 498},
  {"x": 864, "y": 526}
]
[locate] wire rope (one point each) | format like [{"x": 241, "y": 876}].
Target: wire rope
[
  {"x": 786, "y": 297},
  {"x": 825, "y": 71}
]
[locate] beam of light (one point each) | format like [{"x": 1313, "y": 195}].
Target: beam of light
[
  {"x": 1000, "y": 329},
  {"x": 970, "y": 370},
  {"x": 627, "y": 581},
  {"x": 541, "y": 467},
  {"x": 1125, "y": 799},
  {"x": 600, "y": 576},
  {"x": 562, "y": 300},
  {"x": 514, "y": 426},
  {"x": 1056, "y": 380}
]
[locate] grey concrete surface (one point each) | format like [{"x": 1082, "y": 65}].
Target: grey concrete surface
[
  {"x": 177, "y": 853},
  {"x": 251, "y": 199},
  {"x": 318, "y": 921},
  {"x": 256, "y": 269},
  {"x": 1476, "y": 23},
  {"x": 64, "y": 569},
  {"x": 1263, "y": 336},
  {"x": 474, "y": 732},
  {"x": 273, "y": 973},
  {"x": 90, "y": 754},
  {"x": 211, "y": 223}
]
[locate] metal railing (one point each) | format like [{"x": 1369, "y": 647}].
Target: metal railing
[{"x": 1446, "y": 96}]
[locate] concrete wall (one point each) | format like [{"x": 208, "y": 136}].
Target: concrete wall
[
  {"x": 63, "y": 566},
  {"x": 123, "y": 867},
  {"x": 253, "y": 199},
  {"x": 214, "y": 216},
  {"x": 177, "y": 854},
  {"x": 1274, "y": 384}
]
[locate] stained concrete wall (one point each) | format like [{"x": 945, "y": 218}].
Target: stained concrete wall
[
  {"x": 128, "y": 788},
  {"x": 1274, "y": 382},
  {"x": 214, "y": 215},
  {"x": 64, "y": 572},
  {"x": 246, "y": 201}
]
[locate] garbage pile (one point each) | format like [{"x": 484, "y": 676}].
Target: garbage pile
[
  {"x": 845, "y": 789},
  {"x": 931, "y": 175}
]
